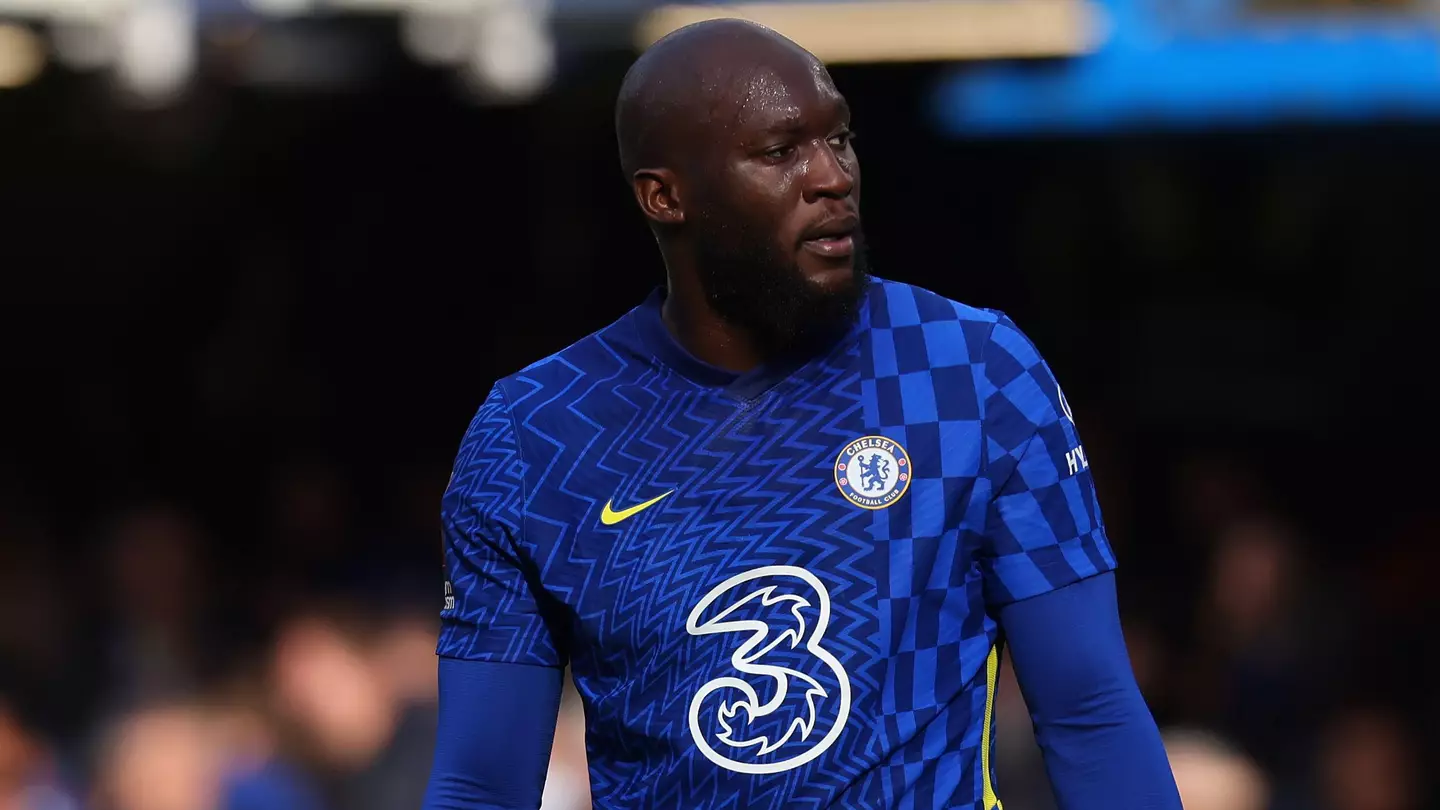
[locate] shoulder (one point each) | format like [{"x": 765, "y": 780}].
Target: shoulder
[
  {"x": 605, "y": 354},
  {"x": 493, "y": 452},
  {"x": 918, "y": 322},
  {"x": 895, "y": 304}
]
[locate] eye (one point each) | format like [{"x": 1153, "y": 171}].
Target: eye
[
  {"x": 842, "y": 139},
  {"x": 779, "y": 153}
]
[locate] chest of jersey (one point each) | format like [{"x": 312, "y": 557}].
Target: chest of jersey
[{"x": 756, "y": 572}]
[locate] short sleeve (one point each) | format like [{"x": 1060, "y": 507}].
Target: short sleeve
[
  {"x": 494, "y": 606},
  {"x": 1043, "y": 527}
]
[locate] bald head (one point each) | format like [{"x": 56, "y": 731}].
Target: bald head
[{"x": 691, "y": 82}]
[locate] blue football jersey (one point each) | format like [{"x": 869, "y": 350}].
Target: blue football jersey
[{"x": 778, "y": 588}]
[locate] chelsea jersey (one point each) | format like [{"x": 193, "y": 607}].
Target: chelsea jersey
[{"x": 777, "y": 588}]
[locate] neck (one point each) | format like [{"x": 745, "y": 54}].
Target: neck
[{"x": 704, "y": 334}]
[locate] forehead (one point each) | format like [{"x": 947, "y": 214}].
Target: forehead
[{"x": 790, "y": 90}]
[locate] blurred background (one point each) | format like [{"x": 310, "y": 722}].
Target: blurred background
[{"x": 261, "y": 260}]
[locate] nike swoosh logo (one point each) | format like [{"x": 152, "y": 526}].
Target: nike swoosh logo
[{"x": 610, "y": 517}]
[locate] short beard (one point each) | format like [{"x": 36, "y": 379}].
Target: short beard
[{"x": 754, "y": 286}]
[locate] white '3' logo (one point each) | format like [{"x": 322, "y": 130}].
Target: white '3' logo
[{"x": 749, "y": 666}]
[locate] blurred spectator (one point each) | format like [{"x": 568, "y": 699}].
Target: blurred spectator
[
  {"x": 257, "y": 774},
  {"x": 1212, "y": 775},
  {"x": 309, "y": 518},
  {"x": 29, "y": 771},
  {"x": 314, "y": 548},
  {"x": 1366, "y": 763},
  {"x": 404, "y": 657},
  {"x": 1400, "y": 611},
  {"x": 165, "y": 758},
  {"x": 1263, "y": 644},
  {"x": 567, "y": 785},
  {"x": 34, "y": 615},
  {"x": 1213, "y": 490},
  {"x": 155, "y": 631},
  {"x": 366, "y": 729},
  {"x": 37, "y": 635}
]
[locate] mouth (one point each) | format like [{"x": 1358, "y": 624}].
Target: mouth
[{"x": 832, "y": 238}]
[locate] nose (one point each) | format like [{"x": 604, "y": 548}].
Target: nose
[{"x": 829, "y": 174}]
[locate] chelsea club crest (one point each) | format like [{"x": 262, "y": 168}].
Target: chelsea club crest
[{"x": 873, "y": 472}]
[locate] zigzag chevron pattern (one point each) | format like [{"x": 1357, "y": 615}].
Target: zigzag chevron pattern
[{"x": 752, "y": 487}]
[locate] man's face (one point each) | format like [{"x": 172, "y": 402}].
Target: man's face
[{"x": 776, "y": 210}]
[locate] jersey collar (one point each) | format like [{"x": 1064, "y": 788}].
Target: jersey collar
[{"x": 743, "y": 386}]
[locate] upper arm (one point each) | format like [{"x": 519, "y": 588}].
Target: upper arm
[
  {"x": 1102, "y": 747},
  {"x": 495, "y": 608},
  {"x": 1068, "y": 648},
  {"x": 1043, "y": 525}
]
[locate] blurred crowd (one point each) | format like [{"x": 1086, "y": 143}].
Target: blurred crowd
[
  {"x": 140, "y": 675},
  {"x": 1282, "y": 680},
  {"x": 139, "y": 679},
  {"x": 131, "y": 684}
]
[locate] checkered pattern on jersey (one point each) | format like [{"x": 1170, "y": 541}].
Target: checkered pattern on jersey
[
  {"x": 1045, "y": 529},
  {"x": 989, "y": 519}
]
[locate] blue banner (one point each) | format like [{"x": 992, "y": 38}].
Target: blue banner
[{"x": 1209, "y": 63}]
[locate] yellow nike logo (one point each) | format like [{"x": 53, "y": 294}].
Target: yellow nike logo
[{"x": 610, "y": 517}]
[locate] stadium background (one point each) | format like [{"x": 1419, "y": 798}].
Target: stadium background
[{"x": 261, "y": 262}]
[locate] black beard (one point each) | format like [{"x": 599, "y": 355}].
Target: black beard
[{"x": 751, "y": 284}]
